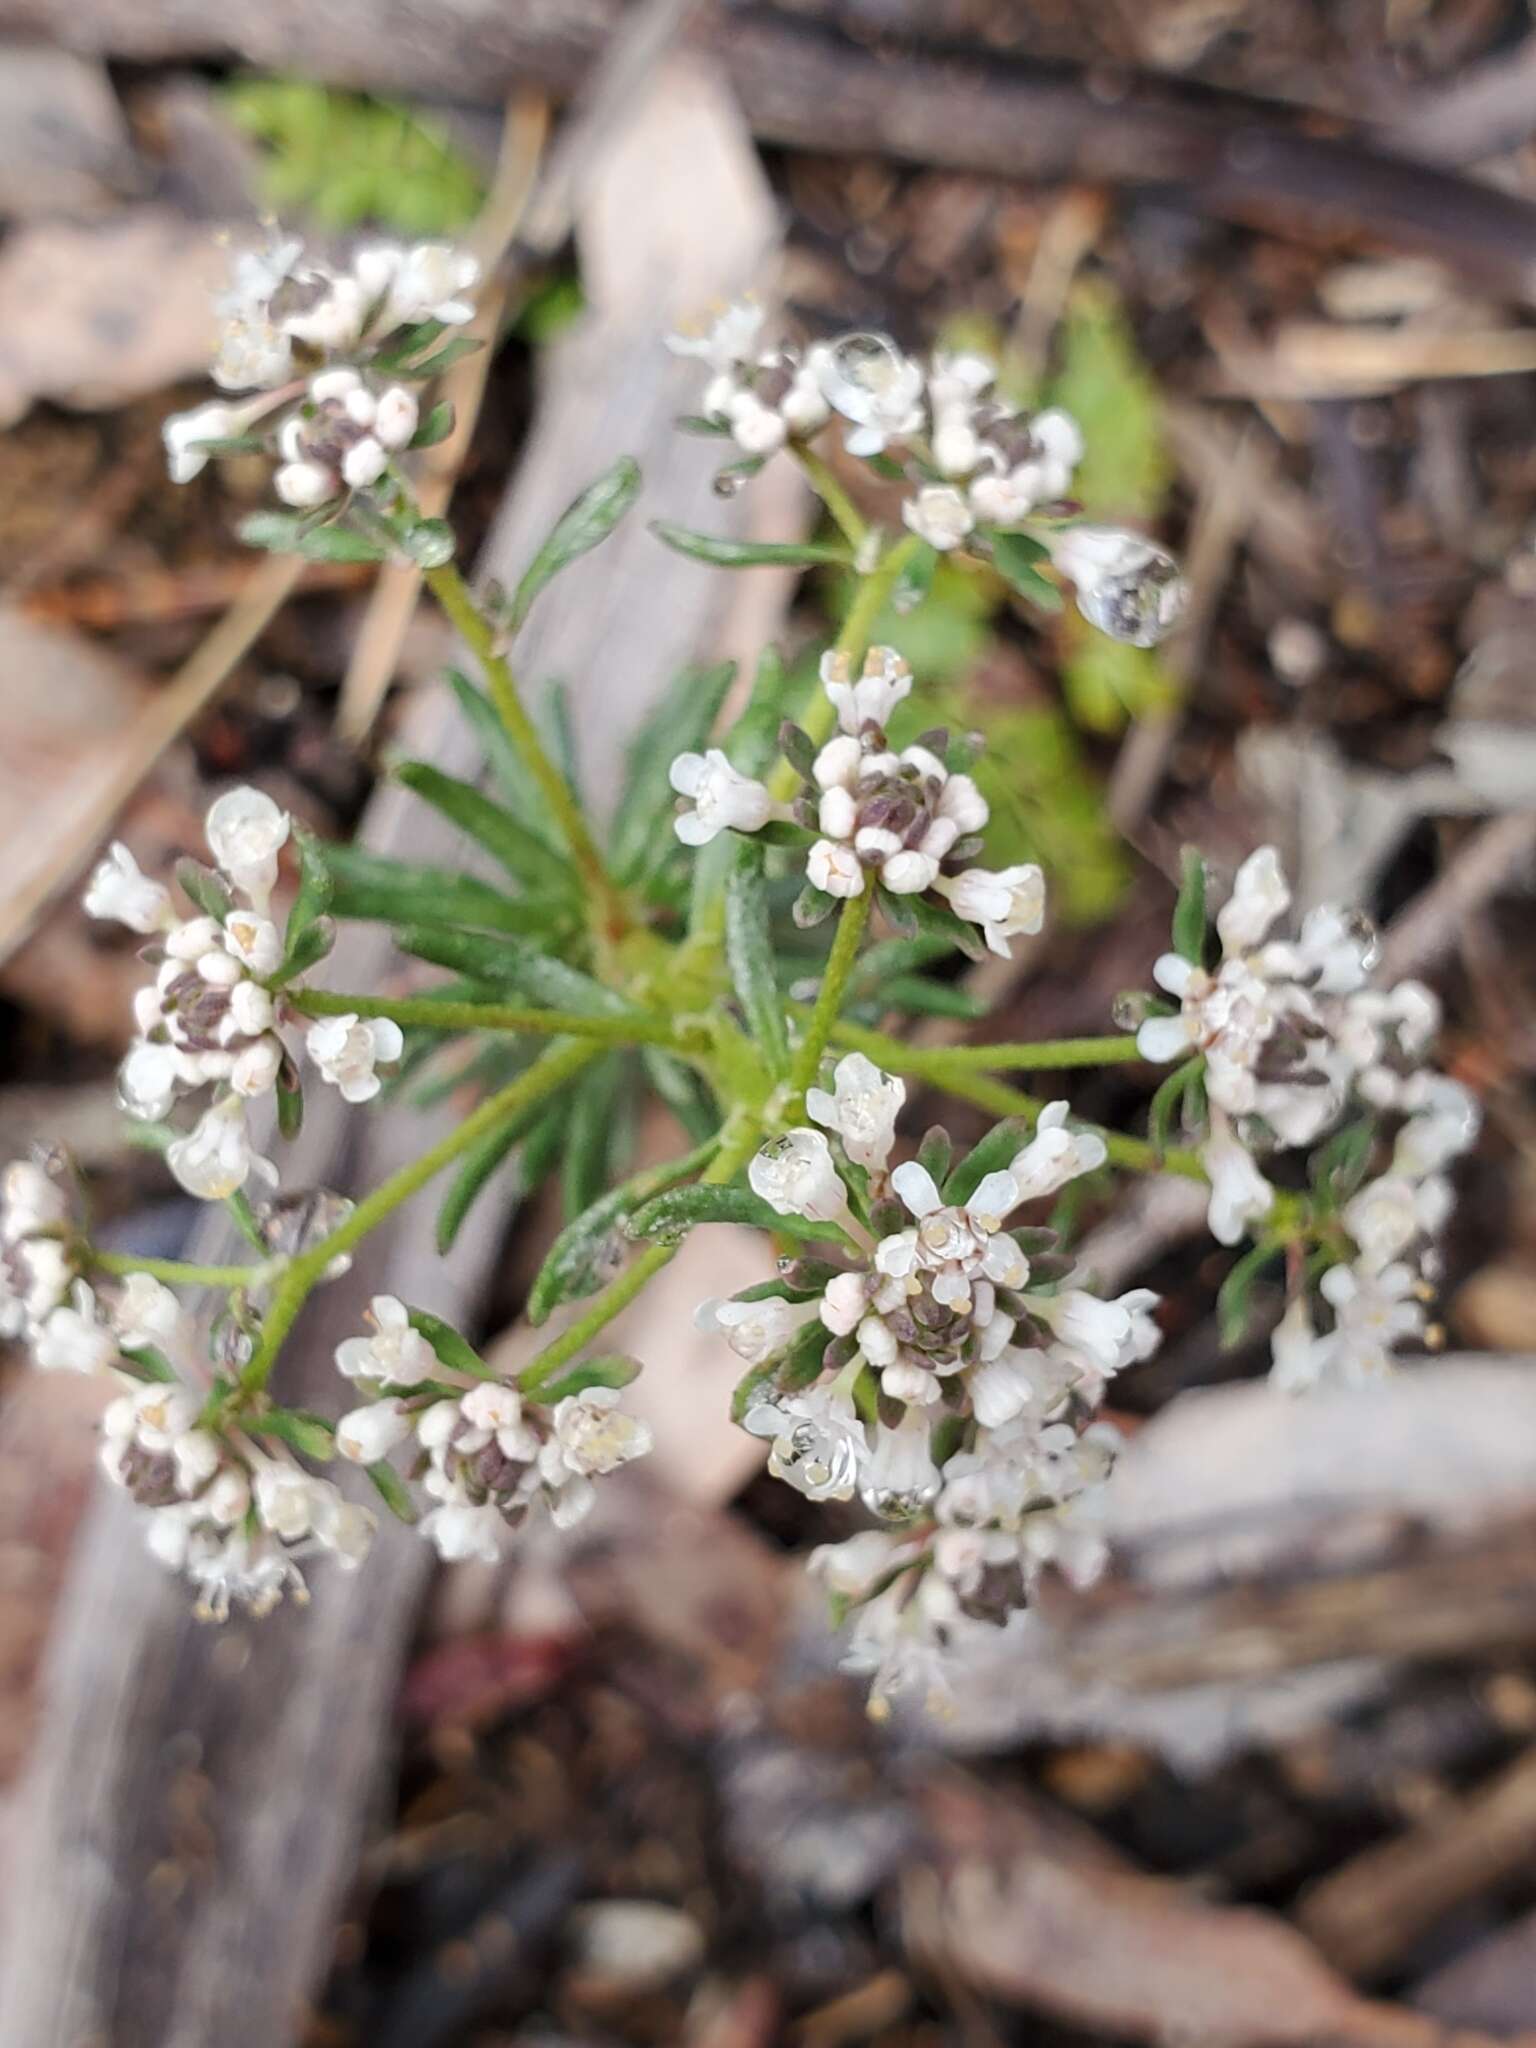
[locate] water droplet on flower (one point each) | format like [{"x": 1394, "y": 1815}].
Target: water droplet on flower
[
  {"x": 861, "y": 368},
  {"x": 1139, "y": 606},
  {"x": 1130, "y": 1009}
]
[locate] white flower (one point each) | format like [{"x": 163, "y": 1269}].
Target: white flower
[
  {"x": 253, "y": 352},
  {"x": 396, "y": 418},
  {"x": 216, "y": 1157},
  {"x": 869, "y": 381},
  {"x": 367, "y": 1434},
  {"x": 844, "y": 1302},
  {"x": 1007, "y": 904},
  {"x": 862, "y": 1109},
  {"x": 74, "y": 1338},
  {"x": 901, "y": 1479},
  {"x": 118, "y": 890},
  {"x": 886, "y": 682},
  {"x": 185, "y": 435},
  {"x": 424, "y": 282},
  {"x": 347, "y": 1049},
  {"x": 1006, "y": 1386},
  {"x": 795, "y": 1175},
  {"x": 723, "y": 798},
  {"x": 818, "y": 1443},
  {"x": 1239, "y": 1192},
  {"x": 1055, "y": 1155},
  {"x": 246, "y": 831},
  {"x": 755, "y": 1330},
  {"x": 1109, "y": 1332},
  {"x": 852, "y": 1569},
  {"x": 593, "y": 1435},
  {"x": 1260, "y": 894},
  {"x": 395, "y": 1355},
  {"x": 938, "y": 515},
  {"x": 147, "y": 1312},
  {"x": 30, "y": 1200},
  {"x": 1373, "y": 1312},
  {"x": 461, "y": 1529},
  {"x": 305, "y": 485},
  {"x": 1386, "y": 1215},
  {"x": 834, "y": 869},
  {"x": 146, "y": 1081},
  {"x": 729, "y": 339},
  {"x": 1127, "y": 586},
  {"x": 1298, "y": 1356},
  {"x": 255, "y": 942}
]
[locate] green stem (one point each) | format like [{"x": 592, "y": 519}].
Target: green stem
[
  {"x": 930, "y": 1063},
  {"x": 738, "y": 1141},
  {"x": 556, "y": 1065},
  {"x": 1049, "y": 1053},
  {"x": 636, "y": 1027},
  {"x": 453, "y": 594},
  {"x": 174, "y": 1272},
  {"x": 846, "y": 515},
  {"x": 869, "y": 600},
  {"x": 836, "y": 975}
]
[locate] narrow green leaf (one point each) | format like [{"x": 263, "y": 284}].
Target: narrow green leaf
[
  {"x": 1234, "y": 1301},
  {"x": 1014, "y": 556},
  {"x": 586, "y": 521},
  {"x": 748, "y": 554},
  {"x": 916, "y": 580},
  {"x": 921, "y": 997},
  {"x": 315, "y": 888},
  {"x": 682, "y": 1209},
  {"x": 542, "y": 981},
  {"x": 451, "y": 1348},
  {"x": 1339, "y": 1166},
  {"x": 591, "y": 1372},
  {"x": 584, "y": 1166},
  {"x": 278, "y": 532},
  {"x": 521, "y": 852},
  {"x": 392, "y": 1490},
  {"x": 152, "y": 1363},
  {"x": 476, "y": 1170},
  {"x": 204, "y": 888},
  {"x": 812, "y": 907},
  {"x": 1189, "y": 912},
  {"x": 333, "y": 543},
  {"x": 407, "y": 342},
  {"x": 993, "y": 1155},
  {"x": 308, "y": 949},
  {"x": 440, "y": 359},
  {"x": 936, "y": 1154},
  {"x": 1169, "y": 1100},
  {"x": 585, "y": 1254},
  {"x": 437, "y": 425},
  {"x": 502, "y": 757},
  {"x": 749, "y": 954},
  {"x": 372, "y": 886},
  {"x": 310, "y": 1435},
  {"x": 752, "y": 745},
  {"x": 684, "y": 1092},
  {"x": 290, "y": 1101},
  {"x": 938, "y": 922}
]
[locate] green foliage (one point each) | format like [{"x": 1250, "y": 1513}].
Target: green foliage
[
  {"x": 1108, "y": 681},
  {"x": 1189, "y": 911},
  {"x": 346, "y": 158},
  {"x": 749, "y": 953},
  {"x": 1110, "y": 392},
  {"x": 641, "y": 838},
  {"x": 452, "y": 1349},
  {"x": 721, "y": 553},
  {"x": 591, "y": 1372},
  {"x": 583, "y": 525}
]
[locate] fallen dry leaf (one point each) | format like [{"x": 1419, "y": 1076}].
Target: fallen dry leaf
[{"x": 1033, "y": 1909}]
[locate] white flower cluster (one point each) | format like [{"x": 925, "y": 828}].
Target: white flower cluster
[
  {"x": 951, "y": 1326},
  {"x": 762, "y": 397},
  {"x": 901, "y": 821},
  {"x": 209, "y": 1018},
  {"x": 488, "y": 1455},
  {"x": 235, "y": 1517},
  {"x": 976, "y": 465},
  {"x": 312, "y": 344},
  {"x": 1292, "y": 1034}
]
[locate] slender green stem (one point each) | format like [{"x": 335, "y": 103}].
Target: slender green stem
[
  {"x": 929, "y": 1063},
  {"x": 846, "y": 515},
  {"x": 738, "y": 1141},
  {"x": 556, "y": 1065},
  {"x": 835, "y": 977},
  {"x": 174, "y": 1272},
  {"x": 453, "y": 594},
  {"x": 635, "y": 1027},
  {"x": 869, "y": 600},
  {"x": 1049, "y": 1053}
]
